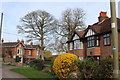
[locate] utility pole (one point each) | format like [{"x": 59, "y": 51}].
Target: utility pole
[
  {"x": 0, "y": 37},
  {"x": 114, "y": 40},
  {"x": 1, "y": 46},
  {"x": 1, "y": 25}
]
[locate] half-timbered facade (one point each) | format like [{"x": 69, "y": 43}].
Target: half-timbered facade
[{"x": 95, "y": 41}]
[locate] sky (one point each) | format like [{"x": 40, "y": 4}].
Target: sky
[
  {"x": 119, "y": 9},
  {"x": 14, "y": 10}
]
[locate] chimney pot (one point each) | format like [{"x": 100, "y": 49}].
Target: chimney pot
[
  {"x": 22, "y": 41},
  {"x": 31, "y": 44},
  {"x": 102, "y": 16},
  {"x": 18, "y": 40}
]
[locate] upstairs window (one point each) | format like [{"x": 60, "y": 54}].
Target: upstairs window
[
  {"x": 37, "y": 53},
  {"x": 29, "y": 52},
  {"x": 71, "y": 46},
  {"x": 91, "y": 41},
  {"x": 20, "y": 51},
  {"x": 78, "y": 44},
  {"x": 106, "y": 39},
  {"x": 97, "y": 41}
]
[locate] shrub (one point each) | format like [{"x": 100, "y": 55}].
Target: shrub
[
  {"x": 95, "y": 69},
  {"x": 37, "y": 64},
  {"x": 104, "y": 69},
  {"x": 64, "y": 65},
  {"x": 86, "y": 68}
]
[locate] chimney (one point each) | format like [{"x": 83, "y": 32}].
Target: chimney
[
  {"x": 31, "y": 44},
  {"x": 18, "y": 40},
  {"x": 22, "y": 41},
  {"x": 102, "y": 16}
]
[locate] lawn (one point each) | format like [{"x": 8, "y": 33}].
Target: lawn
[{"x": 32, "y": 74}]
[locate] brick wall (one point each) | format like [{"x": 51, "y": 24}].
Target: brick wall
[
  {"x": 105, "y": 50},
  {"x": 78, "y": 52}
]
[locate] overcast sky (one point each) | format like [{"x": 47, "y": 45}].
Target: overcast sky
[{"x": 13, "y": 11}]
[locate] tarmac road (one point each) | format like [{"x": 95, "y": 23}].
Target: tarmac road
[{"x": 9, "y": 75}]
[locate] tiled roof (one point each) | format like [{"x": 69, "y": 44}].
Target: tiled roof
[
  {"x": 10, "y": 44},
  {"x": 104, "y": 26},
  {"x": 14, "y": 44},
  {"x": 31, "y": 47},
  {"x": 100, "y": 27}
]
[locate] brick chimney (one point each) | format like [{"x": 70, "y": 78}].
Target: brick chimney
[
  {"x": 18, "y": 40},
  {"x": 102, "y": 16},
  {"x": 31, "y": 44},
  {"x": 22, "y": 41}
]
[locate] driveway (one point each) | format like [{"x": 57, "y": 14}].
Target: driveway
[{"x": 9, "y": 75}]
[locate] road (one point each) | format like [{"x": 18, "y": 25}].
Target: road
[{"x": 9, "y": 75}]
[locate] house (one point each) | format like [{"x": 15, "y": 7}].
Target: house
[
  {"x": 31, "y": 52},
  {"x": 96, "y": 40},
  {"x": 10, "y": 50}
]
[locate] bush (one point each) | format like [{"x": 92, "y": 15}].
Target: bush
[
  {"x": 104, "y": 69},
  {"x": 64, "y": 65},
  {"x": 37, "y": 64},
  {"x": 86, "y": 68},
  {"x": 95, "y": 69}
]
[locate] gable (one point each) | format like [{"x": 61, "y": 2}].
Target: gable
[
  {"x": 76, "y": 37},
  {"x": 90, "y": 33}
]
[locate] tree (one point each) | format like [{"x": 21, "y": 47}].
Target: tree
[
  {"x": 38, "y": 25},
  {"x": 72, "y": 20},
  {"x": 47, "y": 54}
]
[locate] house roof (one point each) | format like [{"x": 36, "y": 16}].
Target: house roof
[
  {"x": 10, "y": 44},
  {"x": 31, "y": 47},
  {"x": 104, "y": 26},
  {"x": 80, "y": 33},
  {"x": 14, "y": 44},
  {"x": 99, "y": 27}
]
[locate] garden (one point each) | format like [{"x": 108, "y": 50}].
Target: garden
[{"x": 68, "y": 66}]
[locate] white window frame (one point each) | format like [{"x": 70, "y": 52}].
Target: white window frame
[
  {"x": 37, "y": 53},
  {"x": 71, "y": 45},
  {"x": 29, "y": 52},
  {"x": 78, "y": 44}
]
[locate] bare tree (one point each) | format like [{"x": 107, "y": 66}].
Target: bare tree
[
  {"x": 38, "y": 25},
  {"x": 72, "y": 20}
]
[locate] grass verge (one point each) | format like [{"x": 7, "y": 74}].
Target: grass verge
[{"x": 32, "y": 74}]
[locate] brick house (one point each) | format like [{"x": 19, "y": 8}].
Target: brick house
[
  {"x": 13, "y": 49},
  {"x": 95, "y": 41}
]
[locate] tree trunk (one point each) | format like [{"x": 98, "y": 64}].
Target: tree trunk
[{"x": 42, "y": 44}]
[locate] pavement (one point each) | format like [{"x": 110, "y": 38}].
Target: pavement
[{"x": 9, "y": 75}]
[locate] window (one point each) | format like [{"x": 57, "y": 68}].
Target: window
[
  {"x": 78, "y": 44},
  {"x": 91, "y": 41},
  {"x": 29, "y": 52},
  {"x": 106, "y": 39},
  {"x": 37, "y": 53},
  {"x": 20, "y": 51},
  {"x": 97, "y": 41}
]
